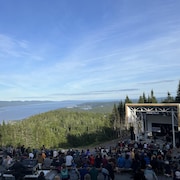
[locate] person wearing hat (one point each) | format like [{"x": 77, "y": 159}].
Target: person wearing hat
[{"x": 149, "y": 173}]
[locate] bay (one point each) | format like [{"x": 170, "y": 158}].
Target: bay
[{"x": 19, "y": 112}]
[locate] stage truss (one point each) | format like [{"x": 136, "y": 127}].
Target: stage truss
[{"x": 136, "y": 113}]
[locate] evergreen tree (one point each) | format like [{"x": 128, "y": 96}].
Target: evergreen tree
[
  {"x": 169, "y": 98},
  {"x": 177, "y": 100},
  {"x": 116, "y": 121},
  {"x": 141, "y": 99},
  {"x": 121, "y": 109},
  {"x": 127, "y": 100},
  {"x": 144, "y": 98},
  {"x": 149, "y": 99},
  {"x": 153, "y": 98}
]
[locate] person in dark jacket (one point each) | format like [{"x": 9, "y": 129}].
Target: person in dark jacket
[
  {"x": 83, "y": 171},
  {"x": 94, "y": 173},
  {"x": 97, "y": 161},
  {"x": 18, "y": 170},
  {"x": 110, "y": 169},
  {"x": 139, "y": 175}
]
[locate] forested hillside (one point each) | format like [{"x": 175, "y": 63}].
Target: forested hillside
[{"x": 60, "y": 128}]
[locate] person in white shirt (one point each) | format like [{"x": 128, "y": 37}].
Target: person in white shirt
[
  {"x": 55, "y": 154},
  {"x": 145, "y": 146},
  {"x": 68, "y": 160},
  {"x": 31, "y": 155}
]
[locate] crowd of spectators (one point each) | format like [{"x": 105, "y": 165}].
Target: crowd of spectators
[{"x": 143, "y": 160}]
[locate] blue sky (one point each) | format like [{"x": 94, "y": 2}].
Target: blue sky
[{"x": 88, "y": 49}]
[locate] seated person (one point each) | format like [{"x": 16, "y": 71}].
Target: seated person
[
  {"x": 47, "y": 163},
  {"x": 18, "y": 170},
  {"x": 127, "y": 162},
  {"x": 121, "y": 161}
]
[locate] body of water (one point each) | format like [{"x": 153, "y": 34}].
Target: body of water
[{"x": 20, "y": 112}]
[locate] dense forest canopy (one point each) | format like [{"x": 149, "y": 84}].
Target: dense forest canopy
[
  {"x": 72, "y": 128},
  {"x": 57, "y": 128}
]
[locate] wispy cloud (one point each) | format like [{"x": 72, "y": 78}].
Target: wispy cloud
[
  {"x": 12, "y": 48},
  {"x": 157, "y": 82},
  {"x": 94, "y": 92}
]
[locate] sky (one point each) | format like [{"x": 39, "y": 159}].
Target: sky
[{"x": 88, "y": 49}]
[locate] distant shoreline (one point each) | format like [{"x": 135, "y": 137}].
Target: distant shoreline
[{"x": 19, "y": 110}]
